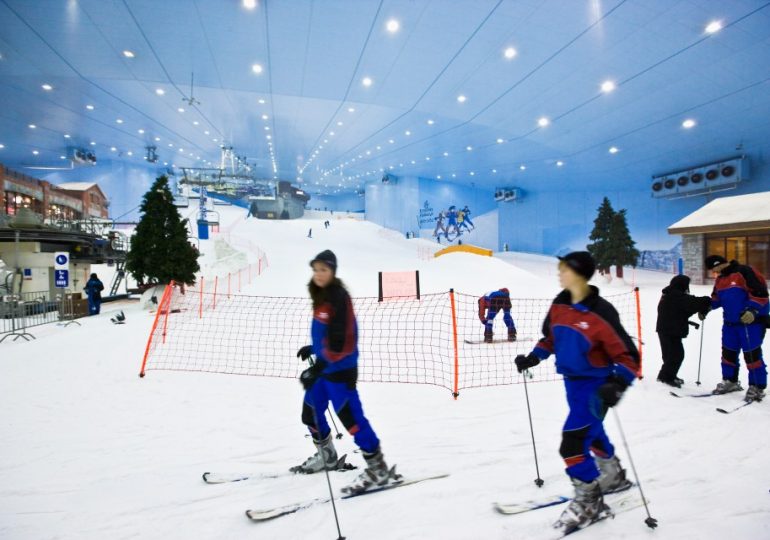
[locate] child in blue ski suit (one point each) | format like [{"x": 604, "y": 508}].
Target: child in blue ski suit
[
  {"x": 93, "y": 289},
  {"x": 489, "y": 306}
]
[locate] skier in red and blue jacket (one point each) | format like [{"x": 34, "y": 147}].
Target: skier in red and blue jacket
[
  {"x": 599, "y": 362},
  {"x": 333, "y": 376},
  {"x": 742, "y": 294},
  {"x": 489, "y": 306}
]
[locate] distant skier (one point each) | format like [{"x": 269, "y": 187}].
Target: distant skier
[
  {"x": 93, "y": 289},
  {"x": 675, "y": 307},
  {"x": 440, "y": 225},
  {"x": 326, "y": 224},
  {"x": 489, "y": 306},
  {"x": 253, "y": 210},
  {"x": 467, "y": 213},
  {"x": 741, "y": 292},
  {"x": 599, "y": 362},
  {"x": 452, "y": 221},
  {"x": 310, "y": 233},
  {"x": 333, "y": 378},
  {"x": 461, "y": 222}
]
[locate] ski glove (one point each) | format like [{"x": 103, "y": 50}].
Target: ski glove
[
  {"x": 305, "y": 352},
  {"x": 702, "y": 315},
  {"x": 748, "y": 317},
  {"x": 311, "y": 374},
  {"x": 612, "y": 390},
  {"x": 523, "y": 363}
]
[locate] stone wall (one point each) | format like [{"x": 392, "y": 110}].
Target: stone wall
[{"x": 693, "y": 247}]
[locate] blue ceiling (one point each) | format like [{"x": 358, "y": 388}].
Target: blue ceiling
[{"x": 314, "y": 55}]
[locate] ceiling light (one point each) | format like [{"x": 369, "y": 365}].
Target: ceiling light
[
  {"x": 90, "y": 107},
  {"x": 713, "y": 27},
  {"x": 32, "y": 126},
  {"x": 215, "y": 140},
  {"x": 523, "y": 167},
  {"x": 66, "y": 135},
  {"x": 113, "y": 149},
  {"x": 256, "y": 68},
  {"x": 543, "y": 121},
  {"x": 559, "y": 163},
  {"x": 62, "y": 157},
  {"x": 500, "y": 141},
  {"x": 391, "y": 141},
  {"x": 454, "y": 175},
  {"x": 331, "y": 134},
  {"x": 494, "y": 171},
  {"x": 92, "y": 143},
  {"x": 446, "y": 154},
  {"x": 170, "y": 145},
  {"x": 130, "y": 153},
  {"x": 140, "y": 131},
  {"x": 689, "y": 123},
  {"x": 2, "y": 146},
  {"x": 195, "y": 122},
  {"x": 407, "y": 132},
  {"x": 366, "y": 81},
  {"x": 47, "y": 87},
  {"x": 614, "y": 150},
  {"x": 469, "y": 148},
  {"x": 509, "y": 52},
  {"x": 264, "y": 117},
  {"x": 392, "y": 26},
  {"x": 249, "y": 4},
  {"x": 160, "y": 91},
  {"x": 427, "y": 158},
  {"x": 461, "y": 98},
  {"x": 157, "y": 139},
  {"x": 119, "y": 121},
  {"x": 351, "y": 110},
  {"x": 608, "y": 86},
  {"x": 431, "y": 122},
  {"x": 128, "y": 54},
  {"x": 205, "y": 132},
  {"x": 261, "y": 101},
  {"x": 35, "y": 152},
  {"x": 339, "y": 123},
  {"x": 180, "y": 109}
]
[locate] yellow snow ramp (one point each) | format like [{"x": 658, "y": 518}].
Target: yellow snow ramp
[{"x": 464, "y": 248}]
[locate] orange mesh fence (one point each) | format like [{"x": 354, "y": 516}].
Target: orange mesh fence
[{"x": 436, "y": 340}]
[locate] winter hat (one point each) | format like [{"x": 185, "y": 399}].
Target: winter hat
[
  {"x": 712, "y": 261},
  {"x": 681, "y": 283},
  {"x": 581, "y": 262},
  {"x": 328, "y": 258},
  {"x": 505, "y": 290}
]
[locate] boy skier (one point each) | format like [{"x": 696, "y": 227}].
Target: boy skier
[
  {"x": 333, "y": 378},
  {"x": 599, "y": 362},
  {"x": 489, "y": 306},
  {"x": 741, "y": 292},
  {"x": 467, "y": 213},
  {"x": 675, "y": 307}
]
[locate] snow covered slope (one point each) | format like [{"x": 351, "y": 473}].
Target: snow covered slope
[{"x": 90, "y": 451}]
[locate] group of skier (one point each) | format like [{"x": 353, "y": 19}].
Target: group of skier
[
  {"x": 455, "y": 220},
  {"x": 594, "y": 354}
]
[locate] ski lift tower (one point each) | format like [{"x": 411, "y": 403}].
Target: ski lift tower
[{"x": 201, "y": 178}]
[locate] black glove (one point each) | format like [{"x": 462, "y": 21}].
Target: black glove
[
  {"x": 612, "y": 390},
  {"x": 702, "y": 315},
  {"x": 311, "y": 374},
  {"x": 305, "y": 352},
  {"x": 523, "y": 363}
]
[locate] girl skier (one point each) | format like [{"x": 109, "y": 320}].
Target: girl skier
[
  {"x": 598, "y": 361},
  {"x": 333, "y": 378}
]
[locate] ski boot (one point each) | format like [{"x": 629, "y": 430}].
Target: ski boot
[
  {"x": 584, "y": 509},
  {"x": 489, "y": 337},
  {"x": 670, "y": 382},
  {"x": 324, "y": 458},
  {"x": 613, "y": 475},
  {"x": 754, "y": 393},
  {"x": 727, "y": 386},
  {"x": 376, "y": 475},
  {"x": 679, "y": 381},
  {"x": 511, "y": 334}
]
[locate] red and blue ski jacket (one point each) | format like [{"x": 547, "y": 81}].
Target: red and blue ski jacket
[
  {"x": 739, "y": 288},
  {"x": 334, "y": 331},
  {"x": 588, "y": 339}
]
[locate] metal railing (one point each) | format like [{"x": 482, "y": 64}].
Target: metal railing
[{"x": 19, "y": 312}]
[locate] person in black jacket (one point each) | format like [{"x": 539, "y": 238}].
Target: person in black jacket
[
  {"x": 93, "y": 289},
  {"x": 676, "y": 306}
]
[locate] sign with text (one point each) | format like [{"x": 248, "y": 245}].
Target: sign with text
[
  {"x": 61, "y": 260},
  {"x": 62, "y": 279}
]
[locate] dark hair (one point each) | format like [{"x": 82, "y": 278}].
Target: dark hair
[
  {"x": 320, "y": 295},
  {"x": 93, "y": 276}
]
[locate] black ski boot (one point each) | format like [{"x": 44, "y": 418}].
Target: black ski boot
[
  {"x": 489, "y": 337},
  {"x": 511, "y": 334}
]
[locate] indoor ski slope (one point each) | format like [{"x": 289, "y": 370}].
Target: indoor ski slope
[{"x": 90, "y": 451}]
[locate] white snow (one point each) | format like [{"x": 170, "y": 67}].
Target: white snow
[
  {"x": 726, "y": 211},
  {"x": 90, "y": 451}
]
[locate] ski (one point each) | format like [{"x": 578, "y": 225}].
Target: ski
[
  {"x": 226, "y": 478},
  {"x": 730, "y": 411},
  {"x": 272, "y": 513},
  {"x": 709, "y": 394},
  {"x": 509, "y": 509},
  {"x": 497, "y": 341}
]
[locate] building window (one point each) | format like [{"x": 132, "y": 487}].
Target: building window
[
  {"x": 16, "y": 201},
  {"x": 752, "y": 249}
]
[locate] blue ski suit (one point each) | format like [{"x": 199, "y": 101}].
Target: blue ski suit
[
  {"x": 492, "y": 303},
  {"x": 93, "y": 289}
]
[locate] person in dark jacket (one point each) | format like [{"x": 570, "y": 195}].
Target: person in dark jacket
[
  {"x": 599, "y": 362},
  {"x": 332, "y": 377},
  {"x": 93, "y": 289},
  {"x": 676, "y": 306}
]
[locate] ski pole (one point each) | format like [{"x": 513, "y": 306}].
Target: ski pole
[
  {"x": 700, "y": 354},
  {"x": 331, "y": 417},
  {"x": 538, "y": 481},
  {"x": 651, "y": 522}
]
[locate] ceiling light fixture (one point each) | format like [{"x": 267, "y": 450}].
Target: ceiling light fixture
[
  {"x": 713, "y": 27},
  {"x": 128, "y": 54},
  {"x": 392, "y": 26},
  {"x": 366, "y": 81},
  {"x": 559, "y": 163},
  {"x": 47, "y": 87},
  {"x": 407, "y": 132},
  {"x": 689, "y": 123},
  {"x": 509, "y": 52},
  {"x": 32, "y": 126},
  {"x": 90, "y": 107},
  {"x": 614, "y": 150},
  {"x": 523, "y": 167},
  {"x": 608, "y": 86},
  {"x": 469, "y": 148},
  {"x": 351, "y": 110},
  {"x": 113, "y": 149},
  {"x": 461, "y": 98},
  {"x": 160, "y": 91},
  {"x": 119, "y": 121},
  {"x": 140, "y": 131},
  {"x": 256, "y": 68},
  {"x": 66, "y": 135},
  {"x": 35, "y": 152},
  {"x": 500, "y": 141},
  {"x": 249, "y": 4},
  {"x": 180, "y": 109},
  {"x": 431, "y": 122},
  {"x": 543, "y": 121}
]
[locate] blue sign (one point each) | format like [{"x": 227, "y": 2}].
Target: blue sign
[
  {"x": 62, "y": 278},
  {"x": 61, "y": 259}
]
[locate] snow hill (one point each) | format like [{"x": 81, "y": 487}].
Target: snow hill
[{"x": 90, "y": 451}]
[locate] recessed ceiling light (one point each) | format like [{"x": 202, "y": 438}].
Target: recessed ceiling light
[
  {"x": 90, "y": 107},
  {"x": 92, "y": 143},
  {"x": 469, "y": 148},
  {"x": 454, "y": 175},
  {"x": 267, "y": 128},
  {"x": 128, "y": 54},
  {"x": 559, "y": 163},
  {"x": 331, "y": 134},
  {"x": 500, "y": 141},
  {"x": 509, "y": 52},
  {"x": 119, "y": 121},
  {"x": 391, "y": 141},
  {"x": 47, "y": 87},
  {"x": 543, "y": 121},
  {"x": 171, "y": 145},
  {"x": 205, "y": 132},
  {"x": 66, "y": 135},
  {"x": 32, "y": 126},
  {"x": 446, "y": 154},
  {"x": 351, "y": 110},
  {"x": 160, "y": 91},
  {"x": 427, "y": 158},
  {"x": 523, "y": 167},
  {"x": 689, "y": 123},
  {"x": 614, "y": 150},
  {"x": 130, "y": 153},
  {"x": 256, "y": 68},
  {"x": 180, "y": 109},
  {"x": 2, "y": 146},
  {"x": 608, "y": 86},
  {"x": 713, "y": 27},
  {"x": 461, "y": 98},
  {"x": 215, "y": 140},
  {"x": 261, "y": 101},
  {"x": 181, "y": 150},
  {"x": 113, "y": 149},
  {"x": 269, "y": 136},
  {"x": 339, "y": 123},
  {"x": 366, "y": 81},
  {"x": 35, "y": 152},
  {"x": 392, "y": 26},
  {"x": 249, "y": 4},
  {"x": 431, "y": 122},
  {"x": 494, "y": 171},
  {"x": 438, "y": 176},
  {"x": 407, "y": 132},
  {"x": 62, "y": 157},
  {"x": 140, "y": 131},
  {"x": 157, "y": 139}
]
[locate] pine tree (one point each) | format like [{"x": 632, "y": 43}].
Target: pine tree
[
  {"x": 160, "y": 250},
  {"x": 622, "y": 247},
  {"x": 600, "y": 248}
]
